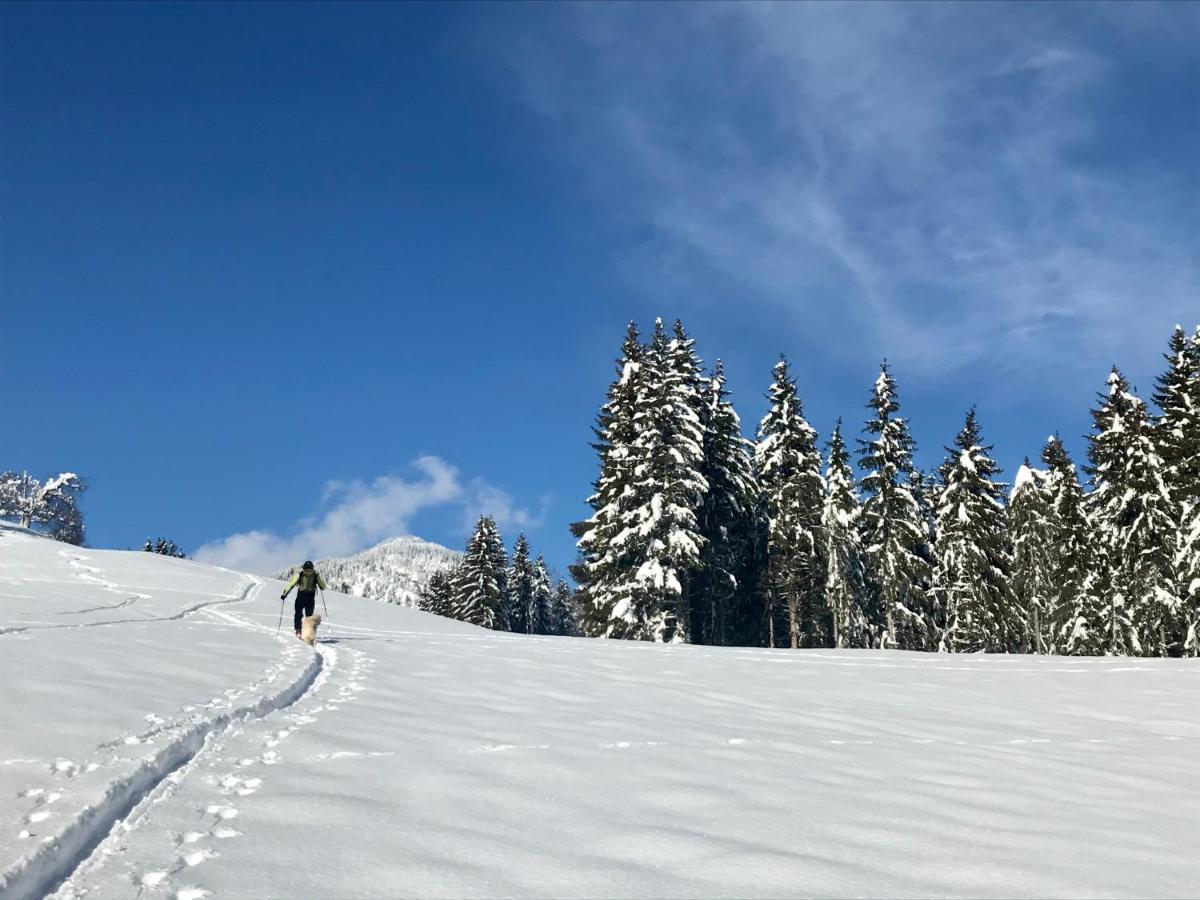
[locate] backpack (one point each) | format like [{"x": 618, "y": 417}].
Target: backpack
[{"x": 308, "y": 581}]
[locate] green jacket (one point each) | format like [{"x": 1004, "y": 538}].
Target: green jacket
[{"x": 307, "y": 581}]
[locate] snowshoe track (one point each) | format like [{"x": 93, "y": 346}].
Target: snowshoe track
[{"x": 43, "y": 871}]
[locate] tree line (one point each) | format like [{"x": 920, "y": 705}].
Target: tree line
[
  {"x": 488, "y": 589},
  {"x": 700, "y": 535},
  {"x": 164, "y": 547}
]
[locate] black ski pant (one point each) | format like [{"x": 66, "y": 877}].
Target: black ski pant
[{"x": 306, "y": 601}]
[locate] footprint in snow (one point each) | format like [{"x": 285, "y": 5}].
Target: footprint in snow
[
  {"x": 196, "y": 857},
  {"x": 40, "y": 816},
  {"x": 65, "y": 767},
  {"x": 192, "y": 837},
  {"x": 223, "y": 833},
  {"x": 191, "y": 893},
  {"x": 153, "y": 879},
  {"x": 222, "y": 812}
]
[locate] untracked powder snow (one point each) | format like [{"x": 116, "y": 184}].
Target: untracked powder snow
[{"x": 159, "y": 739}]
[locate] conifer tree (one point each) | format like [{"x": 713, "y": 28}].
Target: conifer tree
[
  {"x": 893, "y": 529},
  {"x": 500, "y": 566},
  {"x": 1187, "y": 564},
  {"x": 972, "y": 571},
  {"x": 602, "y": 571},
  {"x": 727, "y": 521},
  {"x": 655, "y": 552},
  {"x": 1133, "y": 510},
  {"x": 1177, "y": 431},
  {"x": 845, "y": 588},
  {"x": 564, "y": 618},
  {"x": 479, "y": 594},
  {"x": 926, "y": 491},
  {"x": 541, "y": 615},
  {"x": 438, "y": 596},
  {"x": 788, "y": 466},
  {"x": 1030, "y": 532},
  {"x": 1079, "y": 619},
  {"x": 1177, "y": 441},
  {"x": 520, "y": 588}
]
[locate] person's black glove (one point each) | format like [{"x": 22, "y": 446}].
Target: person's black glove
[{"x": 283, "y": 596}]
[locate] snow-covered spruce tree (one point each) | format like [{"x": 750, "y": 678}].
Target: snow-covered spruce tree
[
  {"x": 1177, "y": 431},
  {"x": 1133, "y": 511},
  {"x": 541, "y": 616},
  {"x": 1030, "y": 533},
  {"x": 1079, "y": 619},
  {"x": 478, "y": 589},
  {"x": 564, "y": 613},
  {"x": 845, "y": 587},
  {"x": 727, "y": 521},
  {"x": 520, "y": 588},
  {"x": 1187, "y": 564},
  {"x": 660, "y": 539},
  {"x": 788, "y": 466},
  {"x": 970, "y": 576},
  {"x": 438, "y": 597},
  {"x": 1188, "y": 556},
  {"x": 500, "y": 566},
  {"x": 894, "y": 533},
  {"x": 602, "y": 571},
  {"x": 926, "y": 490},
  {"x": 1177, "y": 440}
]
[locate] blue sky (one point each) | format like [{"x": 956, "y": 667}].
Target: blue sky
[{"x": 283, "y": 280}]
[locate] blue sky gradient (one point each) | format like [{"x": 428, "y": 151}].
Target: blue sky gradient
[{"x": 306, "y": 275}]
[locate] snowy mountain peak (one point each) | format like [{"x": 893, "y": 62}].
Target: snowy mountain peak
[{"x": 395, "y": 571}]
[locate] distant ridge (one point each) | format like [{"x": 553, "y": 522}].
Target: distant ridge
[{"x": 395, "y": 571}]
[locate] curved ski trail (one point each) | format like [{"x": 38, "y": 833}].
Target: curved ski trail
[
  {"x": 59, "y": 857},
  {"x": 176, "y": 825}
]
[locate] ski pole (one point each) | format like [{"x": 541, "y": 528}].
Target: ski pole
[
  {"x": 326, "y": 608},
  {"x": 280, "y": 627}
]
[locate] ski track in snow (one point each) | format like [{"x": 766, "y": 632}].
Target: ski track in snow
[
  {"x": 214, "y": 785},
  {"x": 182, "y": 743}
]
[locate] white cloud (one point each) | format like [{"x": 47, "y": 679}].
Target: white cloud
[
  {"x": 360, "y": 514},
  {"x": 483, "y": 499},
  {"x": 922, "y": 176}
]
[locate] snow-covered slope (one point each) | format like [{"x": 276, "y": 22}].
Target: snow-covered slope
[
  {"x": 395, "y": 571},
  {"x": 415, "y": 756}
]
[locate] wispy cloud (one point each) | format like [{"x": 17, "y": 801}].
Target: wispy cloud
[
  {"x": 935, "y": 179},
  {"x": 359, "y": 514}
]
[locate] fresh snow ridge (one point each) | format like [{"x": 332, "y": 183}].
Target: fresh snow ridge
[
  {"x": 159, "y": 740},
  {"x": 395, "y": 571}
]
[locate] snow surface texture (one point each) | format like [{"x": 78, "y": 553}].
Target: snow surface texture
[
  {"x": 395, "y": 571},
  {"x": 157, "y": 739}
]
